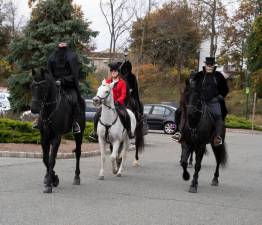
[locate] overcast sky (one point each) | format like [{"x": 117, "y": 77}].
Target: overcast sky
[{"x": 93, "y": 14}]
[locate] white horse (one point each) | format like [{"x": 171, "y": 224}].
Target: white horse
[{"x": 110, "y": 128}]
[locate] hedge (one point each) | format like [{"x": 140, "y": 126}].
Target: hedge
[
  {"x": 14, "y": 131},
  {"x": 233, "y": 121}
]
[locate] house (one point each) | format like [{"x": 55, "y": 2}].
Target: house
[
  {"x": 226, "y": 70},
  {"x": 101, "y": 59}
]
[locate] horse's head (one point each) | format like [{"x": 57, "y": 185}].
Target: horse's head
[
  {"x": 39, "y": 89},
  {"x": 194, "y": 108},
  {"x": 103, "y": 93}
]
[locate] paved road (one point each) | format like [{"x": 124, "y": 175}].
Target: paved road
[{"x": 152, "y": 194}]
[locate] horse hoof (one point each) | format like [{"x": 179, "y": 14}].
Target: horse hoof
[
  {"x": 77, "y": 181},
  {"x": 55, "y": 181},
  {"x": 214, "y": 182},
  {"x": 192, "y": 189},
  {"x": 47, "y": 190},
  {"x": 135, "y": 163},
  {"x": 186, "y": 176},
  {"x": 119, "y": 175},
  {"x": 114, "y": 171},
  {"x": 101, "y": 178}
]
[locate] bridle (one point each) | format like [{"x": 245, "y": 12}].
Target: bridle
[
  {"x": 102, "y": 100},
  {"x": 43, "y": 101},
  {"x": 195, "y": 109}
]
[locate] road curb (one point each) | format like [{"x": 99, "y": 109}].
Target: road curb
[
  {"x": 59, "y": 155},
  {"x": 243, "y": 131}
]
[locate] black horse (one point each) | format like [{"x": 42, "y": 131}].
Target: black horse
[
  {"x": 198, "y": 131},
  {"x": 55, "y": 119}
]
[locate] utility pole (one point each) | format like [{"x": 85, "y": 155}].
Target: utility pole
[{"x": 247, "y": 92}]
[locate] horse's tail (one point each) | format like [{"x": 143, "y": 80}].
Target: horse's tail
[
  {"x": 139, "y": 136},
  {"x": 222, "y": 155}
]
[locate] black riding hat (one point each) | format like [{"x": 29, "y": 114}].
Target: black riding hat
[
  {"x": 210, "y": 61},
  {"x": 115, "y": 66}
]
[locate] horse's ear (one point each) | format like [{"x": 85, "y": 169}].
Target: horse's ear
[
  {"x": 104, "y": 82},
  {"x": 111, "y": 85}
]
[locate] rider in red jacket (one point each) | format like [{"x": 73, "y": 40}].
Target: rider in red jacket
[
  {"x": 119, "y": 95},
  {"x": 119, "y": 90}
]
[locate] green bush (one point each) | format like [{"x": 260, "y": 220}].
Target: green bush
[
  {"x": 233, "y": 121},
  {"x": 14, "y": 131}
]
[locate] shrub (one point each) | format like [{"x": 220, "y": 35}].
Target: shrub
[
  {"x": 14, "y": 131},
  {"x": 233, "y": 121}
]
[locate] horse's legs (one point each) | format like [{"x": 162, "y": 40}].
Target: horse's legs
[
  {"x": 51, "y": 164},
  {"x": 114, "y": 155},
  {"x": 102, "y": 146},
  {"x": 78, "y": 141},
  {"x": 199, "y": 156},
  {"x": 136, "y": 163},
  {"x": 216, "y": 174},
  {"x": 45, "y": 147},
  {"x": 123, "y": 156},
  {"x": 190, "y": 164},
  {"x": 184, "y": 158}
]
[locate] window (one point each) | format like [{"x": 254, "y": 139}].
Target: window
[
  {"x": 158, "y": 110},
  {"x": 167, "y": 112},
  {"x": 147, "y": 109}
]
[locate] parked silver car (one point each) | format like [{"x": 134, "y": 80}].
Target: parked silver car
[{"x": 90, "y": 110}]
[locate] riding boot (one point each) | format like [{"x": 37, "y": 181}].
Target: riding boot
[
  {"x": 218, "y": 132},
  {"x": 128, "y": 127},
  {"x": 93, "y": 135}
]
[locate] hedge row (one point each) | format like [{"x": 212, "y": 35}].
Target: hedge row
[
  {"x": 233, "y": 121},
  {"x": 14, "y": 131}
]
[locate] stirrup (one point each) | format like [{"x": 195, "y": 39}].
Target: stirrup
[
  {"x": 176, "y": 136},
  {"x": 93, "y": 137},
  {"x": 217, "y": 141},
  {"x": 76, "y": 128}
]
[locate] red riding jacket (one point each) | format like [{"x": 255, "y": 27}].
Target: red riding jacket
[{"x": 119, "y": 90}]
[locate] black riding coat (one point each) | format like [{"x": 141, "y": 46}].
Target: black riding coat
[
  {"x": 218, "y": 83},
  {"x": 63, "y": 64}
]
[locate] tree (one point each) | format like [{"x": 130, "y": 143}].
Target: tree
[
  {"x": 52, "y": 21},
  {"x": 172, "y": 36},
  {"x": 117, "y": 19},
  {"x": 5, "y": 37},
  {"x": 212, "y": 17},
  {"x": 254, "y": 55}
]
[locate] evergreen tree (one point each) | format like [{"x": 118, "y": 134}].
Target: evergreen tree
[{"x": 51, "y": 22}]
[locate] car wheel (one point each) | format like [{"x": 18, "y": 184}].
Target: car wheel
[{"x": 169, "y": 128}]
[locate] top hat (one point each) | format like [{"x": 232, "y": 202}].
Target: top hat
[
  {"x": 210, "y": 61},
  {"x": 114, "y": 66}
]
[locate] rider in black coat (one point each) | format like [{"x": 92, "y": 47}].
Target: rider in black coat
[
  {"x": 131, "y": 81},
  {"x": 213, "y": 88},
  {"x": 63, "y": 65}
]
